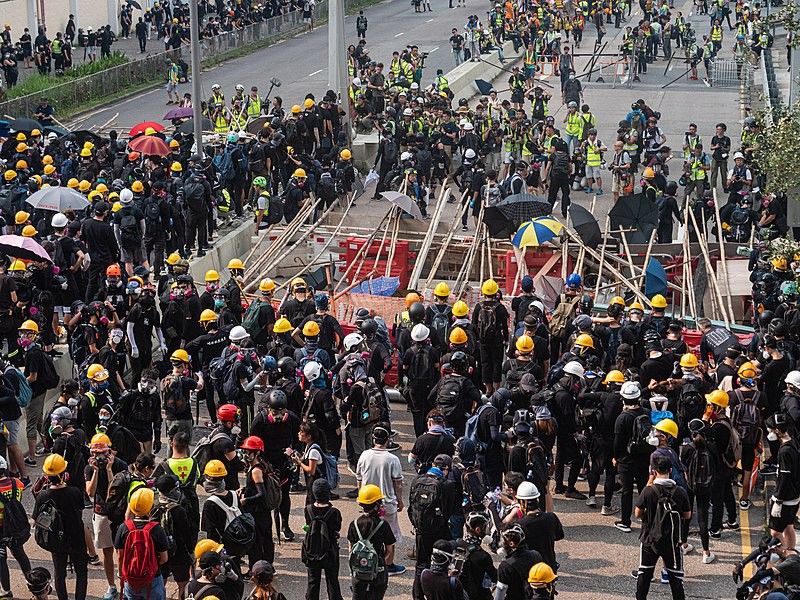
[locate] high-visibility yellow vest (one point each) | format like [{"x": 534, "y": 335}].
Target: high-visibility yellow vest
[
  {"x": 716, "y": 33},
  {"x": 593, "y": 158},
  {"x": 254, "y": 107},
  {"x": 574, "y": 124},
  {"x": 221, "y": 124},
  {"x": 698, "y": 172}
]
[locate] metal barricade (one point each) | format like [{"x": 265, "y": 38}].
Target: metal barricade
[{"x": 730, "y": 73}]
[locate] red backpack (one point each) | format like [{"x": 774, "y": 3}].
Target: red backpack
[{"x": 139, "y": 564}]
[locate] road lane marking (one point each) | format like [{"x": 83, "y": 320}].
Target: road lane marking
[
  {"x": 399, "y": 34},
  {"x": 316, "y": 72},
  {"x": 429, "y": 21},
  {"x": 433, "y": 50},
  {"x": 744, "y": 529}
]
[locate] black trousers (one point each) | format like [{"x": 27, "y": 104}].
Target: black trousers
[
  {"x": 672, "y": 558},
  {"x": 567, "y": 454},
  {"x": 18, "y": 551},
  {"x": 722, "y": 500},
  {"x": 371, "y": 590},
  {"x": 79, "y": 563},
  {"x": 264, "y": 546},
  {"x": 559, "y": 182},
  {"x": 196, "y": 229},
  {"x": 635, "y": 472},
  {"x": 601, "y": 454},
  {"x": 703, "y": 500},
  {"x": 331, "y": 569}
]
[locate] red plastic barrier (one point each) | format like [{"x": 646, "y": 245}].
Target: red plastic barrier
[{"x": 535, "y": 259}]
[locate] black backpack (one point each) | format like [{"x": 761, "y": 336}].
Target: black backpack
[
  {"x": 318, "y": 544},
  {"x": 275, "y": 214},
  {"x": 48, "y": 376},
  {"x": 488, "y": 330},
  {"x": 560, "y": 163},
  {"x": 746, "y": 418},
  {"x": 152, "y": 214},
  {"x": 449, "y": 396},
  {"x": 130, "y": 236},
  {"x": 193, "y": 192},
  {"x": 700, "y": 470},
  {"x": 390, "y": 151},
  {"x": 440, "y": 323},
  {"x": 420, "y": 370},
  {"x": 49, "y": 531},
  {"x": 666, "y": 523},
  {"x": 473, "y": 482},
  {"x": 16, "y": 527},
  {"x": 691, "y": 403},
  {"x": 425, "y": 501},
  {"x": 640, "y": 431},
  {"x": 537, "y": 464}
]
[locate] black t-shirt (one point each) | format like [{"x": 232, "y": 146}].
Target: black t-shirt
[
  {"x": 69, "y": 502},
  {"x": 7, "y": 286},
  {"x": 101, "y": 492},
  {"x": 440, "y": 586},
  {"x": 382, "y": 538},
  {"x": 542, "y": 531},
  {"x": 194, "y": 587},
  {"x": 144, "y": 320},
  {"x": 329, "y": 328},
  {"x": 160, "y": 540},
  {"x": 648, "y": 503},
  {"x": 456, "y": 41},
  {"x": 428, "y": 445},
  {"x": 101, "y": 242},
  {"x": 34, "y": 363},
  {"x": 724, "y": 144},
  {"x": 513, "y": 571}
]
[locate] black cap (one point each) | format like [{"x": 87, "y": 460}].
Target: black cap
[
  {"x": 167, "y": 484},
  {"x": 321, "y": 490},
  {"x": 209, "y": 559},
  {"x": 262, "y": 571},
  {"x": 101, "y": 208},
  {"x": 528, "y": 383}
]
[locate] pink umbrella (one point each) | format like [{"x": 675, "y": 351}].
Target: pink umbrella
[
  {"x": 24, "y": 248},
  {"x": 181, "y": 112},
  {"x": 149, "y": 145}
]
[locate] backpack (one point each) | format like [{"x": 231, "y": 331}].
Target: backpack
[
  {"x": 272, "y": 487},
  {"x": 16, "y": 527},
  {"x": 202, "y": 451},
  {"x": 471, "y": 431},
  {"x": 488, "y": 328},
  {"x": 226, "y": 170},
  {"x": 318, "y": 544},
  {"x": 373, "y": 408},
  {"x": 561, "y": 316},
  {"x": 691, "y": 402},
  {"x": 448, "y": 397},
  {"x": 425, "y": 501},
  {"x": 240, "y": 528},
  {"x": 139, "y": 563},
  {"x": 746, "y": 418},
  {"x": 251, "y": 321},
  {"x": 440, "y": 323},
  {"x": 275, "y": 214},
  {"x": 172, "y": 394},
  {"x": 560, "y": 163},
  {"x": 124, "y": 442},
  {"x": 364, "y": 559},
  {"x": 193, "y": 192},
  {"x": 420, "y": 370},
  {"x": 733, "y": 453},
  {"x": 219, "y": 369},
  {"x": 152, "y": 214},
  {"x": 48, "y": 376},
  {"x": 666, "y": 524},
  {"x": 130, "y": 236},
  {"x": 330, "y": 467},
  {"x": 516, "y": 369},
  {"x": 20, "y": 384},
  {"x": 390, "y": 151},
  {"x": 473, "y": 482},
  {"x": 638, "y": 444},
  {"x": 700, "y": 470},
  {"x": 48, "y": 528}
]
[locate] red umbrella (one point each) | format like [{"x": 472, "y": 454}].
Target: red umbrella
[
  {"x": 141, "y": 127},
  {"x": 149, "y": 145}
]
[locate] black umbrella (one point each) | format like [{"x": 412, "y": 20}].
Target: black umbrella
[
  {"x": 638, "y": 213},
  {"x": 58, "y": 130},
  {"x": 484, "y": 87},
  {"x": 258, "y": 124},
  {"x": 187, "y": 127},
  {"x": 134, "y": 4},
  {"x": 519, "y": 208},
  {"x": 498, "y": 225},
  {"x": 84, "y": 135},
  {"x": 27, "y": 125},
  {"x": 585, "y": 225}
]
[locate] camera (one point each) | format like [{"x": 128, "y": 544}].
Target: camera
[
  {"x": 458, "y": 560},
  {"x": 102, "y": 461}
]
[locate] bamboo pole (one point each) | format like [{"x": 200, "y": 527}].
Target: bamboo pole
[
  {"x": 722, "y": 257},
  {"x": 422, "y": 255},
  {"x": 711, "y": 275},
  {"x": 688, "y": 259},
  {"x": 363, "y": 249},
  {"x": 445, "y": 244},
  {"x": 280, "y": 241},
  {"x": 602, "y": 256},
  {"x": 461, "y": 284},
  {"x": 393, "y": 245},
  {"x": 643, "y": 277},
  {"x": 628, "y": 255}
]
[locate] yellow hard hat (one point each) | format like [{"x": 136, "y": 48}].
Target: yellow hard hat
[
  {"x": 22, "y": 165},
  {"x": 541, "y": 573},
  {"x": 94, "y": 194},
  {"x": 113, "y": 196},
  {"x": 100, "y": 438},
  {"x": 84, "y": 185},
  {"x": 47, "y": 159},
  {"x": 442, "y": 290},
  {"x": 149, "y": 131},
  {"x": 208, "y": 316},
  {"x": 668, "y": 426},
  {"x": 9, "y": 175},
  {"x": 173, "y": 259},
  {"x": 137, "y": 187},
  {"x": 266, "y": 285},
  {"x": 300, "y": 173},
  {"x": 296, "y": 110},
  {"x": 116, "y": 207},
  {"x": 102, "y": 188},
  {"x": 311, "y": 329},
  {"x": 411, "y": 298},
  {"x": 141, "y": 501},
  {"x": 584, "y": 340},
  {"x": 369, "y": 494},
  {"x": 215, "y": 468},
  {"x": 29, "y": 231},
  {"x": 658, "y": 301},
  {"x": 649, "y": 173},
  {"x": 614, "y": 376},
  {"x": 88, "y": 145},
  {"x": 22, "y": 147},
  {"x": 181, "y": 355},
  {"x": 458, "y": 336},
  {"x": 206, "y": 545},
  {"x": 779, "y": 264},
  {"x": 35, "y": 133},
  {"x": 345, "y": 154},
  {"x": 212, "y": 275},
  {"x": 460, "y": 309},
  {"x": 85, "y": 152},
  {"x": 524, "y": 344},
  {"x": 54, "y": 465},
  {"x": 636, "y": 306},
  {"x": 18, "y": 265},
  {"x": 282, "y": 325},
  {"x": 308, "y": 103},
  {"x": 49, "y": 169},
  {"x": 489, "y": 287},
  {"x": 21, "y": 137},
  {"x": 96, "y": 372},
  {"x": 619, "y": 300},
  {"x": 689, "y": 361},
  {"x": 29, "y": 325},
  {"x": 297, "y": 281},
  {"x": 21, "y": 217},
  {"x": 174, "y": 144},
  {"x": 747, "y": 371},
  {"x": 719, "y": 398},
  {"x": 235, "y": 263},
  {"x": 73, "y": 183},
  {"x": 176, "y": 167}
]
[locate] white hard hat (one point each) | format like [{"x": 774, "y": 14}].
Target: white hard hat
[
  {"x": 463, "y": 122},
  {"x": 420, "y": 333},
  {"x": 407, "y": 112},
  {"x": 126, "y": 196},
  {"x": 59, "y": 220},
  {"x": 239, "y": 87},
  {"x": 356, "y": 81},
  {"x": 527, "y": 491},
  {"x": 312, "y": 370},
  {"x": 737, "y": 155},
  {"x": 351, "y": 340},
  {"x": 468, "y": 126},
  {"x": 573, "y": 367},
  {"x": 793, "y": 378},
  {"x": 215, "y": 86},
  {"x": 238, "y": 334},
  {"x": 631, "y": 391},
  {"x": 52, "y": 135},
  {"x": 415, "y": 86},
  {"x": 470, "y": 153},
  {"x": 405, "y": 156}
]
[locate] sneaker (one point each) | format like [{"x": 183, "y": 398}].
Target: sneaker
[
  {"x": 26, "y": 482},
  {"x": 31, "y": 462},
  {"x": 297, "y": 488},
  {"x": 635, "y": 573},
  {"x": 93, "y": 560},
  {"x": 41, "y": 451},
  {"x": 591, "y": 502},
  {"x": 111, "y": 594},
  {"x": 687, "y": 548},
  {"x": 709, "y": 558},
  {"x": 715, "y": 534},
  {"x": 464, "y": 228},
  {"x": 395, "y": 569},
  {"x": 732, "y": 526},
  {"x": 664, "y": 577},
  {"x": 622, "y": 526},
  {"x": 575, "y": 495},
  {"x": 287, "y": 534},
  {"x": 745, "y": 504},
  {"x": 769, "y": 469},
  {"x": 560, "y": 489},
  {"x": 607, "y": 511},
  {"x": 600, "y": 192}
]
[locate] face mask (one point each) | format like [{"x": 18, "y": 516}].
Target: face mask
[
  {"x": 113, "y": 282},
  {"x": 772, "y": 436},
  {"x": 116, "y": 338},
  {"x": 56, "y": 430},
  {"x": 101, "y": 386},
  {"x": 104, "y": 421},
  {"x": 236, "y": 430},
  {"x": 774, "y": 558},
  {"x": 382, "y": 511},
  {"x": 73, "y": 402},
  {"x": 765, "y": 354},
  {"x": 652, "y": 440},
  {"x": 104, "y": 320},
  {"x": 187, "y": 293},
  {"x": 147, "y": 301},
  {"x": 24, "y": 342},
  {"x": 219, "y": 304},
  {"x": 502, "y": 552},
  {"x": 212, "y": 487},
  {"x": 211, "y": 288},
  {"x": 222, "y": 576}
]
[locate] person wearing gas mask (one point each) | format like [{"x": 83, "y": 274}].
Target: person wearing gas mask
[
  {"x": 205, "y": 348},
  {"x": 227, "y": 318},
  {"x": 210, "y": 574},
  {"x": 245, "y": 374},
  {"x": 176, "y": 393},
  {"x": 786, "y": 497},
  {"x": 253, "y": 499},
  {"x": 98, "y": 394},
  {"x": 277, "y": 427},
  {"x": 223, "y": 445},
  {"x": 631, "y": 333},
  {"x": 70, "y": 442},
  {"x": 542, "y": 579},
  {"x": 11, "y": 489},
  {"x": 298, "y": 304},
  {"x": 211, "y": 286},
  {"x": 139, "y": 409},
  {"x": 102, "y": 466},
  {"x": 421, "y": 367},
  {"x": 220, "y": 500},
  {"x": 234, "y": 286},
  {"x": 260, "y": 316},
  {"x": 113, "y": 356},
  {"x": 478, "y": 572},
  {"x": 517, "y": 560},
  {"x": 440, "y": 580},
  {"x": 563, "y": 408},
  {"x": 720, "y": 438},
  {"x": 143, "y": 320},
  {"x": 69, "y": 396},
  {"x": 175, "y": 521},
  {"x": 320, "y": 409}
]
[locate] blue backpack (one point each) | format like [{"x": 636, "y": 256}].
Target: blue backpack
[
  {"x": 225, "y": 167},
  {"x": 20, "y": 385},
  {"x": 330, "y": 467},
  {"x": 471, "y": 431}
]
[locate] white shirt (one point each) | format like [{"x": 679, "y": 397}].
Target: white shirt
[{"x": 382, "y": 468}]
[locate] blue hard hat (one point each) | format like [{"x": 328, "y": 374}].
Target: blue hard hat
[
  {"x": 269, "y": 363},
  {"x": 574, "y": 281},
  {"x": 321, "y": 301},
  {"x": 527, "y": 283}
]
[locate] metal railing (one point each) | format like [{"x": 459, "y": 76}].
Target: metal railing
[
  {"x": 731, "y": 73},
  {"x": 75, "y": 92}
]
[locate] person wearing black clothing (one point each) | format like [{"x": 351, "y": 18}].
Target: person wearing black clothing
[
  {"x": 542, "y": 529},
  {"x": 491, "y": 455},
  {"x": 143, "y": 320},
  {"x": 715, "y": 341},
  {"x": 563, "y": 409},
  {"x": 490, "y": 322},
  {"x": 720, "y": 150},
  {"x": 102, "y": 247},
  {"x": 661, "y": 539},
  {"x": 436, "y": 581},
  {"x": 478, "y": 564},
  {"x": 773, "y": 372},
  {"x": 420, "y": 384},
  {"x": 786, "y": 497},
  {"x": 210, "y": 568},
  {"x": 657, "y": 367},
  {"x": 330, "y": 331},
  {"x": 433, "y": 442},
  {"x": 455, "y": 395},
  {"x": 253, "y": 500},
  {"x": 512, "y": 574},
  {"x": 205, "y": 348},
  {"x": 632, "y": 460},
  {"x": 719, "y": 435},
  {"x": 322, "y": 509},
  {"x": 175, "y": 521},
  {"x": 298, "y": 305},
  {"x": 382, "y": 539}
]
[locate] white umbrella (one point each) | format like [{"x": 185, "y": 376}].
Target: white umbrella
[
  {"x": 57, "y": 199},
  {"x": 404, "y": 203}
]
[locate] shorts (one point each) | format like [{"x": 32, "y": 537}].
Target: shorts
[
  {"x": 171, "y": 87},
  {"x": 12, "y": 427},
  {"x": 748, "y": 457},
  {"x": 394, "y": 523},
  {"x": 91, "y": 49},
  {"x": 180, "y": 572},
  {"x": 594, "y": 172},
  {"x": 616, "y": 185},
  {"x": 34, "y": 419},
  {"x": 134, "y": 256},
  {"x": 179, "y": 425},
  {"x": 788, "y": 515},
  {"x": 509, "y": 157},
  {"x": 101, "y": 526}
]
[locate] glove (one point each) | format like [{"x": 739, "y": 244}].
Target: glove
[
  {"x": 163, "y": 349},
  {"x": 156, "y": 446},
  {"x": 775, "y": 511},
  {"x": 135, "y": 353}
]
